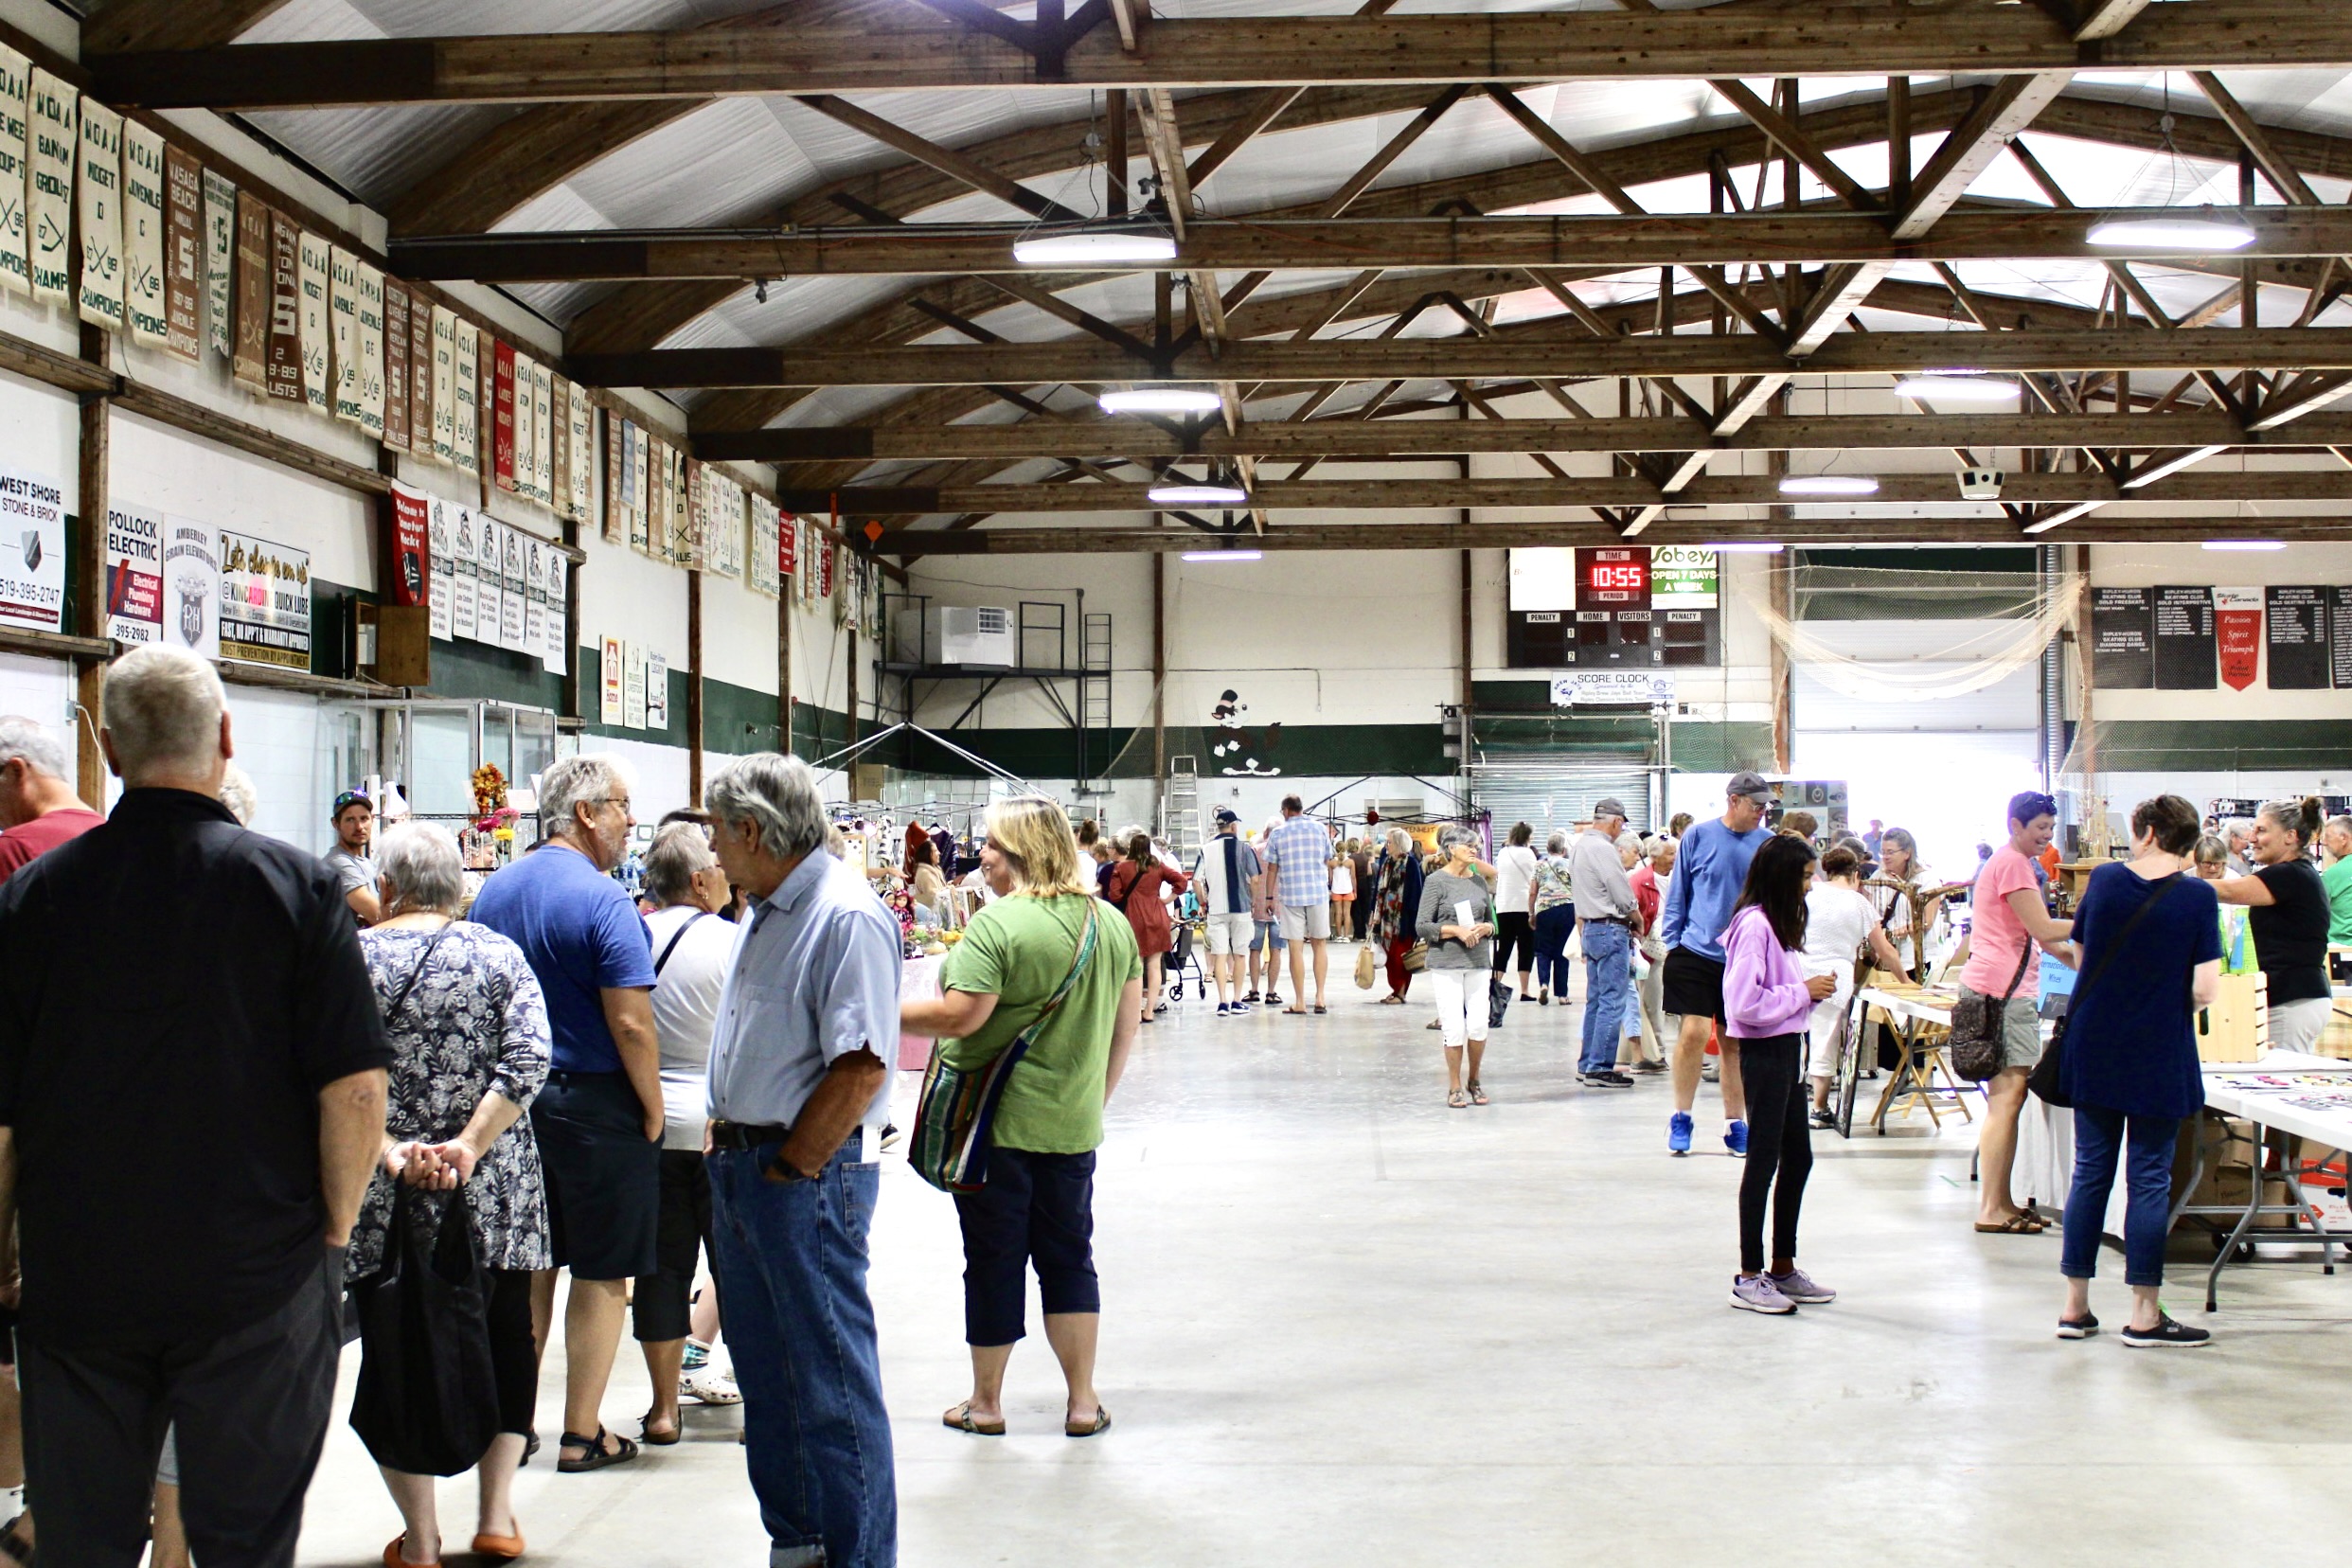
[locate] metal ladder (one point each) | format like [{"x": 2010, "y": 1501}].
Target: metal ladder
[
  {"x": 1094, "y": 661},
  {"x": 1180, "y": 809}
]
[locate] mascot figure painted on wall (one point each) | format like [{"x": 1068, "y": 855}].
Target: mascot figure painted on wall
[{"x": 1242, "y": 753}]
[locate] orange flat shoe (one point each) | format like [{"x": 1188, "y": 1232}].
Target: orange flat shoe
[
  {"x": 392, "y": 1558},
  {"x": 505, "y": 1548}
]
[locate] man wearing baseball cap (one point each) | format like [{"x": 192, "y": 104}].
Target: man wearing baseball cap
[
  {"x": 1223, "y": 878},
  {"x": 354, "y": 818},
  {"x": 1709, "y": 870},
  {"x": 1605, "y": 914}
]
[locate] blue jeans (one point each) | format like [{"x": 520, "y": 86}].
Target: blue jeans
[
  {"x": 2098, "y": 1138},
  {"x": 791, "y": 1265},
  {"x": 1608, "y": 977},
  {"x": 1553, "y": 927}
]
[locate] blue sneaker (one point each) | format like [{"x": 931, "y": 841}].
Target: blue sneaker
[
  {"x": 1678, "y": 1134},
  {"x": 1736, "y": 1138}
]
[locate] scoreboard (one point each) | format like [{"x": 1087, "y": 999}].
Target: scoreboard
[{"x": 1614, "y": 607}]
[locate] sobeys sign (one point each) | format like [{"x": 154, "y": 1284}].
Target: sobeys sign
[{"x": 1684, "y": 577}]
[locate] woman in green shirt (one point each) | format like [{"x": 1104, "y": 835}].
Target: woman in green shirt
[
  {"x": 2237, "y": 946},
  {"x": 1037, "y": 1205}
]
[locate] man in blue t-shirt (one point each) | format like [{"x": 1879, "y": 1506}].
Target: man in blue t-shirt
[
  {"x": 598, "y": 1119},
  {"x": 1710, "y": 868}
]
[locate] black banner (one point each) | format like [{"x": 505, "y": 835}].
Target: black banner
[
  {"x": 2186, "y": 658},
  {"x": 2123, "y": 627},
  {"x": 2296, "y": 628},
  {"x": 2340, "y": 636}
]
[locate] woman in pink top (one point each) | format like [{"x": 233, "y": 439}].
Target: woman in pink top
[
  {"x": 1766, "y": 1000},
  {"x": 2009, "y": 926}
]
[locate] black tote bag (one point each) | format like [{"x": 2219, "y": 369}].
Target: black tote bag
[{"x": 427, "y": 1399}]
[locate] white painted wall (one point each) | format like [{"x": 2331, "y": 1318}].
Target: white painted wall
[{"x": 40, "y": 689}]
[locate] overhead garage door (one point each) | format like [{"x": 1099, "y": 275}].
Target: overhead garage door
[{"x": 1550, "y": 789}]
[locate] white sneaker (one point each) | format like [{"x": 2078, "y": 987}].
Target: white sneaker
[{"x": 712, "y": 1385}]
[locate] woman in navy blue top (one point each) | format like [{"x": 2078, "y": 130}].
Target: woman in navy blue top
[{"x": 2151, "y": 956}]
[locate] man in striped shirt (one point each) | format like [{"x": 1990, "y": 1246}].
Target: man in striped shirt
[{"x": 1299, "y": 853}]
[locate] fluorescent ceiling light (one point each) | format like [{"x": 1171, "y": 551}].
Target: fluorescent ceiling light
[
  {"x": 1746, "y": 547},
  {"x": 2186, "y": 232},
  {"x": 1197, "y": 495},
  {"x": 1828, "y": 484},
  {"x": 2245, "y": 543},
  {"x": 1160, "y": 400},
  {"x": 1097, "y": 247},
  {"x": 1221, "y": 555},
  {"x": 1957, "y": 386}
]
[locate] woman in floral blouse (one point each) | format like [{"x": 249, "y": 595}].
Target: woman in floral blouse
[{"x": 468, "y": 1032}]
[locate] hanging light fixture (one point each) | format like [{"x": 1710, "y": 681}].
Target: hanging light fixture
[
  {"x": 1745, "y": 546},
  {"x": 2245, "y": 543},
  {"x": 1160, "y": 400},
  {"x": 1828, "y": 484},
  {"x": 1101, "y": 245},
  {"x": 1223, "y": 555},
  {"x": 1957, "y": 386},
  {"x": 2199, "y": 228},
  {"x": 1209, "y": 494}
]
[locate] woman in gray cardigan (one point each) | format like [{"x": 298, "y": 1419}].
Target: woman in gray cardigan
[{"x": 1456, "y": 919}]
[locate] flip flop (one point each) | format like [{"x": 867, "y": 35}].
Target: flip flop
[
  {"x": 959, "y": 1419},
  {"x": 1101, "y": 1424},
  {"x": 1323, "y": 1009},
  {"x": 1296, "y": 1012},
  {"x": 1456, "y": 1100},
  {"x": 2016, "y": 1224},
  {"x": 598, "y": 1457},
  {"x": 644, "y": 1432}
]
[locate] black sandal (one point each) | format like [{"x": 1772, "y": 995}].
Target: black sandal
[
  {"x": 645, "y": 1430},
  {"x": 14, "y": 1545},
  {"x": 598, "y": 1457}
]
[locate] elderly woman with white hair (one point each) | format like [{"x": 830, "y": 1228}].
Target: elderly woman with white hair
[
  {"x": 1456, "y": 919},
  {"x": 468, "y": 1025},
  {"x": 1395, "y": 904}
]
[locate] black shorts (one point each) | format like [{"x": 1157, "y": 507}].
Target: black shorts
[
  {"x": 664, "y": 1299},
  {"x": 604, "y": 1176},
  {"x": 1693, "y": 986}
]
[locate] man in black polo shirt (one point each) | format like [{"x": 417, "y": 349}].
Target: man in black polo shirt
[{"x": 191, "y": 1103}]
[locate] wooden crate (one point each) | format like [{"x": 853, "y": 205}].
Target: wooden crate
[{"x": 2236, "y": 1027}]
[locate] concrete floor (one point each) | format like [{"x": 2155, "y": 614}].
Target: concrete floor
[{"x": 1346, "y": 1324}]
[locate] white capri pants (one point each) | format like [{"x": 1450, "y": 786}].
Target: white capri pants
[
  {"x": 2297, "y": 1026},
  {"x": 1229, "y": 933},
  {"x": 1461, "y": 1002},
  {"x": 1825, "y": 1027}
]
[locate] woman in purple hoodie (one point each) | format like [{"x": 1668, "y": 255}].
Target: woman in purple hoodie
[{"x": 1766, "y": 1001}]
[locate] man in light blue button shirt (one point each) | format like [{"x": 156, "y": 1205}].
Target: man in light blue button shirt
[{"x": 799, "y": 1077}]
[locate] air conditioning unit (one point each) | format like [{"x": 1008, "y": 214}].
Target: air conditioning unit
[{"x": 978, "y": 634}]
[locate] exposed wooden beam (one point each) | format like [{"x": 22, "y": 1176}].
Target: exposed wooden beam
[
  {"x": 2107, "y": 18},
  {"x": 959, "y": 166},
  {"x": 1347, "y": 244},
  {"x": 922, "y": 51},
  {"x": 1437, "y": 536},
  {"x": 2283, "y": 174},
  {"x": 1443, "y": 359},
  {"x": 1429, "y": 437},
  {"x": 1794, "y": 142},
  {"x": 153, "y": 24}
]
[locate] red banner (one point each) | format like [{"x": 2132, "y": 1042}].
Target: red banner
[
  {"x": 786, "y": 545},
  {"x": 825, "y": 569},
  {"x": 502, "y": 418},
  {"x": 2238, "y": 633},
  {"x": 408, "y": 546}
]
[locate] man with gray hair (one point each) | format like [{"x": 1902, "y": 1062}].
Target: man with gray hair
[
  {"x": 38, "y": 808},
  {"x": 1606, "y": 914},
  {"x": 193, "y": 1081},
  {"x": 2238, "y": 835},
  {"x": 799, "y": 1085},
  {"x": 598, "y": 1120}
]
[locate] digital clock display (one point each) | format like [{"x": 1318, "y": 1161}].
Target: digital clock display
[{"x": 1630, "y": 575}]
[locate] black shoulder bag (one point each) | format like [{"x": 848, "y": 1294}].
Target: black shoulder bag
[
  {"x": 1979, "y": 1026},
  {"x": 2049, "y": 1073}
]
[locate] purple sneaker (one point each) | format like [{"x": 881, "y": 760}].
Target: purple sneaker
[
  {"x": 1757, "y": 1293},
  {"x": 1802, "y": 1288}
]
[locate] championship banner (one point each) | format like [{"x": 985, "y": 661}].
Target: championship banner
[
  {"x": 502, "y": 413},
  {"x": 2237, "y": 634},
  {"x": 395, "y": 395},
  {"x": 636, "y": 479},
  {"x": 440, "y": 524},
  {"x": 559, "y": 451},
  {"x": 616, "y": 525},
  {"x": 223, "y": 265},
  {"x": 134, "y": 596},
  {"x": 370, "y": 297},
  {"x": 490, "y": 591},
  {"x": 513, "y": 610},
  {"x": 464, "y": 600},
  {"x": 285, "y": 321},
  {"x": 485, "y": 405},
  {"x": 542, "y": 435},
  {"x": 265, "y": 602},
  {"x": 183, "y": 255},
  {"x": 525, "y": 425},
  {"x": 15, "y": 170},
  {"x": 343, "y": 333},
  {"x": 409, "y": 537},
  {"x": 49, "y": 204},
  {"x": 656, "y": 691},
  {"x": 252, "y": 311},
  {"x": 143, "y": 222},
  {"x": 98, "y": 208},
  {"x": 464, "y": 410},
  {"x": 32, "y": 550},
  {"x": 420, "y": 376},
  {"x": 444, "y": 389},
  {"x": 535, "y": 553},
  {"x": 558, "y": 658},
  {"x": 191, "y": 572},
  {"x": 583, "y": 417},
  {"x": 685, "y": 545},
  {"x": 314, "y": 264},
  {"x": 761, "y": 572},
  {"x": 788, "y": 547}
]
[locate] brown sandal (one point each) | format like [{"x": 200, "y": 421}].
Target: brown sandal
[
  {"x": 959, "y": 1419},
  {"x": 2016, "y": 1224}
]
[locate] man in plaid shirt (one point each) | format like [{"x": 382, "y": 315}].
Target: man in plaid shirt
[{"x": 1299, "y": 853}]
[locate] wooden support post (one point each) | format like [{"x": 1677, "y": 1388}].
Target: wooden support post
[
  {"x": 1114, "y": 151},
  {"x": 1470, "y": 644},
  {"x": 1898, "y": 143},
  {"x": 2086, "y": 745},
  {"x": 1781, "y": 594},
  {"x": 851, "y": 652},
  {"x": 89, "y": 547},
  {"x": 1159, "y": 684},
  {"x": 784, "y": 661},
  {"x": 694, "y": 687}
]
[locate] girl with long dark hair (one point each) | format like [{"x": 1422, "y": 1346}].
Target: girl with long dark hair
[{"x": 1766, "y": 1001}]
